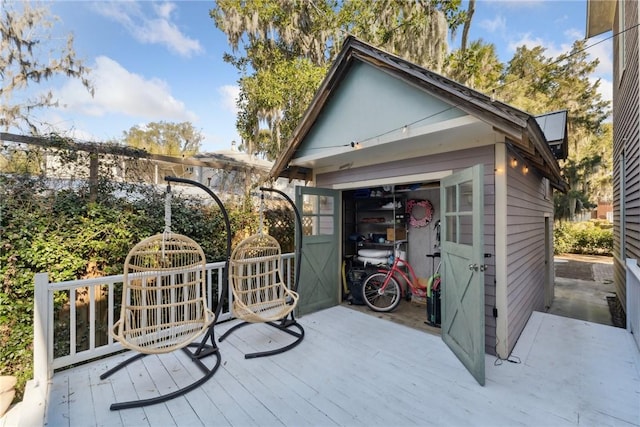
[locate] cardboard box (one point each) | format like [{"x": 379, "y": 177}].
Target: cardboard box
[{"x": 400, "y": 234}]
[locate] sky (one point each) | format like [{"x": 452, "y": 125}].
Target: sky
[{"x": 157, "y": 61}]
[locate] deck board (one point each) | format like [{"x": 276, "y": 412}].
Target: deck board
[{"x": 354, "y": 369}]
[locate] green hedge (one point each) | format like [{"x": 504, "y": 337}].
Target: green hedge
[{"x": 588, "y": 238}]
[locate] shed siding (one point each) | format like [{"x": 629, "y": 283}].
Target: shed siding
[
  {"x": 626, "y": 134},
  {"x": 526, "y": 209},
  {"x": 456, "y": 161},
  {"x": 370, "y": 96}
]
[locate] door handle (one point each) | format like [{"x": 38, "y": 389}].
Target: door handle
[{"x": 473, "y": 267}]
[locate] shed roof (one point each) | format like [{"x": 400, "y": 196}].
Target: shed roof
[
  {"x": 554, "y": 127},
  {"x": 600, "y": 15},
  {"x": 522, "y": 130},
  {"x": 236, "y": 157}
]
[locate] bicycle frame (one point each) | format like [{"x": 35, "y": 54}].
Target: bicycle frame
[{"x": 416, "y": 288}]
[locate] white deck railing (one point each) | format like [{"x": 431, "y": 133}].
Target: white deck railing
[
  {"x": 633, "y": 299},
  {"x": 75, "y": 332}
]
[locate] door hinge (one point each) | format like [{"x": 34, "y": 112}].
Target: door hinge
[{"x": 495, "y": 312}]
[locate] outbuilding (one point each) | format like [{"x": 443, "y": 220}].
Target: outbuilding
[{"x": 394, "y": 152}]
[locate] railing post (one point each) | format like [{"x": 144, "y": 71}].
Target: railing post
[
  {"x": 633, "y": 299},
  {"x": 41, "y": 364}
]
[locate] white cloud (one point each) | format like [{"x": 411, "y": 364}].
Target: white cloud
[
  {"x": 603, "y": 51},
  {"x": 526, "y": 40},
  {"x": 229, "y": 94},
  {"x": 551, "y": 49},
  {"x": 574, "y": 34},
  {"x": 117, "y": 91},
  {"x": 499, "y": 24},
  {"x": 158, "y": 29},
  {"x": 164, "y": 9}
]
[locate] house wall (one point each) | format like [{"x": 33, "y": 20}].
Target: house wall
[
  {"x": 455, "y": 161},
  {"x": 626, "y": 145},
  {"x": 370, "y": 96},
  {"x": 528, "y": 201}
]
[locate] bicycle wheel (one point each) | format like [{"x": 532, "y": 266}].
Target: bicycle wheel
[{"x": 377, "y": 300}]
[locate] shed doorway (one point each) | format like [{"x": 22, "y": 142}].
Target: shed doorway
[
  {"x": 457, "y": 237},
  {"x": 375, "y": 221}
]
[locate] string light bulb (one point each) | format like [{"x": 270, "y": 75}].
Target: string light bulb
[{"x": 514, "y": 163}]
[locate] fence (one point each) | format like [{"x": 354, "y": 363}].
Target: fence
[
  {"x": 72, "y": 318},
  {"x": 633, "y": 299}
]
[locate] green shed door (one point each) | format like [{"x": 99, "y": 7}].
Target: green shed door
[
  {"x": 319, "y": 285},
  {"x": 462, "y": 249}
]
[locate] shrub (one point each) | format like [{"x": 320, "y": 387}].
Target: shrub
[{"x": 589, "y": 238}]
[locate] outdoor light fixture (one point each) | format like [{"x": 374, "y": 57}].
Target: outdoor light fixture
[
  {"x": 525, "y": 169},
  {"x": 514, "y": 163},
  {"x": 356, "y": 145}
]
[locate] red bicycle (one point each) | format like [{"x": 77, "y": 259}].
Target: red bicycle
[{"x": 382, "y": 292}]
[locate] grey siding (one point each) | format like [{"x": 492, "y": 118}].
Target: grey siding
[
  {"x": 456, "y": 161},
  {"x": 626, "y": 134},
  {"x": 526, "y": 209}
]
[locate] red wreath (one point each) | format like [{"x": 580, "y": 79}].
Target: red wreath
[{"x": 428, "y": 214}]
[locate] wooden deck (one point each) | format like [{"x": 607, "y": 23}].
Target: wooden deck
[{"x": 354, "y": 369}]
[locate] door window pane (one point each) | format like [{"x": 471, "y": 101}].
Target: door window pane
[
  {"x": 466, "y": 196},
  {"x": 452, "y": 229},
  {"x": 325, "y": 225},
  {"x": 466, "y": 229},
  {"x": 325, "y": 205},
  {"x": 451, "y": 199}
]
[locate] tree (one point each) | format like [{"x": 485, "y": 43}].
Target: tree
[
  {"x": 477, "y": 66},
  {"x": 282, "y": 50},
  {"x": 14, "y": 160},
  {"x": 170, "y": 139},
  {"x": 414, "y": 30},
  {"x": 26, "y": 34},
  {"x": 538, "y": 84},
  {"x": 467, "y": 25},
  {"x": 600, "y": 180}
]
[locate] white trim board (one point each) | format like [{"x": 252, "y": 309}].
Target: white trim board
[{"x": 394, "y": 180}]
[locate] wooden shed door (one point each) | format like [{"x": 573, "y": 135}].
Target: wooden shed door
[
  {"x": 319, "y": 285},
  {"x": 462, "y": 248}
]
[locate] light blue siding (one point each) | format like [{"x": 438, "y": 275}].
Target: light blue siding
[{"x": 368, "y": 103}]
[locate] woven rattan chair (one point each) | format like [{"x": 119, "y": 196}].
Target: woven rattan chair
[
  {"x": 259, "y": 292},
  {"x": 164, "y": 307}
]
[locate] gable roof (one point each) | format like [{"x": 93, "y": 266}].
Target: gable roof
[{"x": 521, "y": 129}]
